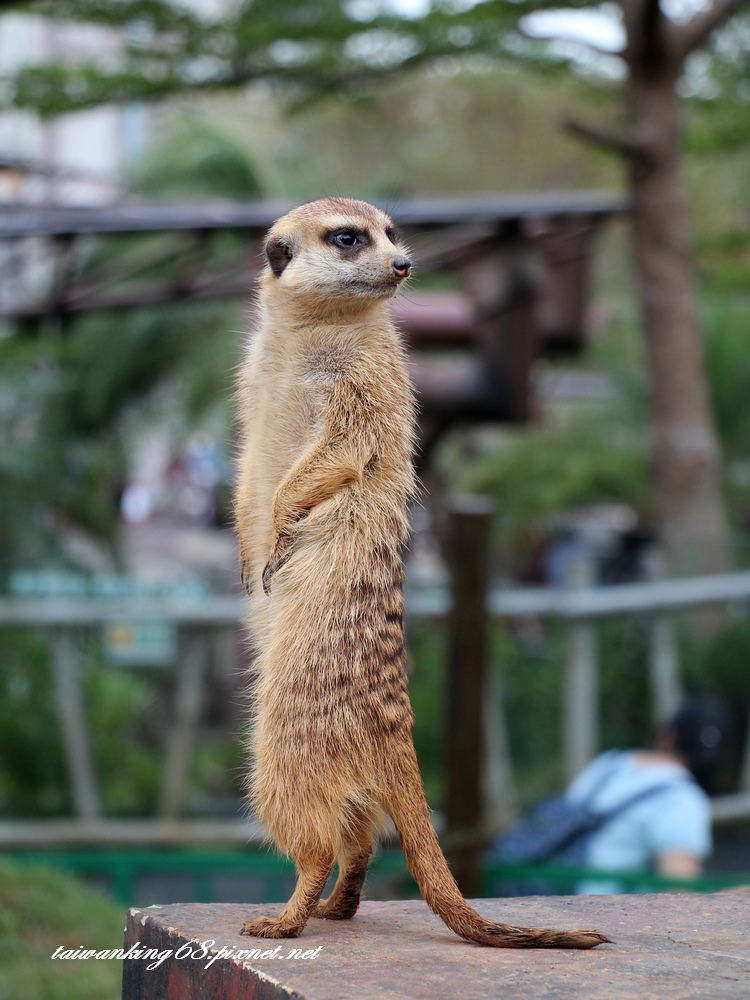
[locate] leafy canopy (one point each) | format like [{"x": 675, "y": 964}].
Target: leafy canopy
[
  {"x": 319, "y": 47},
  {"x": 324, "y": 45}
]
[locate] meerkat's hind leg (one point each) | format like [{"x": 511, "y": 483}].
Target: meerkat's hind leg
[
  {"x": 357, "y": 822},
  {"x": 343, "y": 902},
  {"x": 312, "y": 874}
]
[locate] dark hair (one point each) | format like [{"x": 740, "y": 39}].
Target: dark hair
[{"x": 701, "y": 731}]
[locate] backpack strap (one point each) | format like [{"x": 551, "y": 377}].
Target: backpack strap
[
  {"x": 604, "y": 778},
  {"x": 640, "y": 796}
]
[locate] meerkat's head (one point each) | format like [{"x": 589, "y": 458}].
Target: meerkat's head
[{"x": 335, "y": 249}]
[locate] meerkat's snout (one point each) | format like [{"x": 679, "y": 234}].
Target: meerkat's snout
[{"x": 401, "y": 268}]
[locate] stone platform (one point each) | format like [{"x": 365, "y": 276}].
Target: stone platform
[{"x": 670, "y": 947}]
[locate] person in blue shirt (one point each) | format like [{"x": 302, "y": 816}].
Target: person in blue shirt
[{"x": 667, "y": 830}]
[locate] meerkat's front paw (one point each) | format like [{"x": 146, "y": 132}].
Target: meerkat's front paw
[
  {"x": 269, "y": 927},
  {"x": 280, "y": 555}
]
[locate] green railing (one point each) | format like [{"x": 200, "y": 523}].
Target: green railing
[
  {"x": 123, "y": 867},
  {"x": 564, "y": 879}
]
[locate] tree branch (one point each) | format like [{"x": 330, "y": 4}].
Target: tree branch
[
  {"x": 689, "y": 36},
  {"x": 617, "y": 142}
]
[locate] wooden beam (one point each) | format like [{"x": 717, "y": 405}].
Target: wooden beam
[
  {"x": 502, "y": 602},
  {"x": 471, "y": 525},
  {"x": 580, "y": 695},
  {"x": 65, "y": 664},
  {"x": 258, "y": 216},
  {"x": 191, "y": 673},
  {"x": 69, "y": 832}
]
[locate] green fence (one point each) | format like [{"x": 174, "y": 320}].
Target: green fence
[{"x": 123, "y": 867}]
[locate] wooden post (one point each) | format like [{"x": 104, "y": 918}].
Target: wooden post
[
  {"x": 666, "y": 691},
  {"x": 470, "y": 524},
  {"x": 194, "y": 653},
  {"x": 664, "y": 668},
  {"x": 500, "y": 796},
  {"x": 580, "y": 684},
  {"x": 72, "y": 715},
  {"x": 744, "y": 783}
]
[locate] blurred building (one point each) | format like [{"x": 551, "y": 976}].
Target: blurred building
[{"x": 76, "y": 159}]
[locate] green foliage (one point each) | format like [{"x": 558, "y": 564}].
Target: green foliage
[
  {"x": 529, "y": 663},
  {"x": 718, "y": 126},
  {"x": 429, "y": 132},
  {"x": 727, "y": 343},
  {"x": 32, "y": 770},
  {"x": 68, "y": 389},
  {"x": 28, "y": 465},
  {"x": 51, "y": 474},
  {"x": 530, "y": 675},
  {"x": 426, "y": 645},
  {"x": 719, "y": 118},
  {"x": 314, "y": 47},
  {"x": 117, "y": 705},
  {"x": 116, "y": 361},
  {"x": 42, "y": 909},
  {"x": 538, "y": 473},
  {"x": 61, "y": 445},
  {"x": 33, "y": 774},
  {"x": 208, "y": 161},
  {"x": 321, "y": 47},
  {"x": 725, "y": 262}
]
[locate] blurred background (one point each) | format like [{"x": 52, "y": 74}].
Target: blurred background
[{"x": 575, "y": 186}]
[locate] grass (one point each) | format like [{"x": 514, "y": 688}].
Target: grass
[{"x": 41, "y": 909}]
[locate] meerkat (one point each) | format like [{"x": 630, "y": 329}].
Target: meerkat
[{"x": 327, "y": 431}]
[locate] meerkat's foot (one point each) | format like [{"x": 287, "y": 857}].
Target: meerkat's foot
[
  {"x": 344, "y": 901},
  {"x": 331, "y": 909},
  {"x": 313, "y": 871},
  {"x": 270, "y": 927},
  {"x": 280, "y": 555}
]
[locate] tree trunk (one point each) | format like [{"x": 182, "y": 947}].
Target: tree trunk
[{"x": 685, "y": 454}]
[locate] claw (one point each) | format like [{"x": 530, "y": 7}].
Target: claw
[{"x": 281, "y": 553}]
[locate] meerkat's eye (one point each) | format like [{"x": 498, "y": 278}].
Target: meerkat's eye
[
  {"x": 352, "y": 240},
  {"x": 345, "y": 239},
  {"x": 392, "y": 235}
]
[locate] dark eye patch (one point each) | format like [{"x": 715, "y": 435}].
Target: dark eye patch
[
  {"x": 392, "y": 234},
  {"x": 348, "y": 240}
]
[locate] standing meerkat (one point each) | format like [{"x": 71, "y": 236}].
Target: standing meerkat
[{"x": 327, "y": 419}]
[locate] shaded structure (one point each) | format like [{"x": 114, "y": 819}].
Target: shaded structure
[{"x": 520, "y": 264}]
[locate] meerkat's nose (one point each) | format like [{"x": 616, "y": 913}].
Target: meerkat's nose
[{"x": 401, "y": 268}]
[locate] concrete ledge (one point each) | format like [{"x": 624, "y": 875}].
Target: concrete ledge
[{"x": 666, "y": 946}]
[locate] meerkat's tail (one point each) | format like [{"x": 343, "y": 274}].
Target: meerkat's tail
[{"x": 408, "y": 808}]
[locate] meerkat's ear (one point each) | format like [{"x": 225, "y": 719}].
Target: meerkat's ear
[{"x": 279, "y": 254}]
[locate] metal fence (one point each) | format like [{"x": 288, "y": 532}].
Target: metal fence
[
  {"x": 270, "y": 878},
  {"x": 202, "y": 624}
]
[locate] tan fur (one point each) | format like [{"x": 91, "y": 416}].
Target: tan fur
[{"x": 328, "y": 425}]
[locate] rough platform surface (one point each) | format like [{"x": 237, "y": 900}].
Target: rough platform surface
[{"x": 666, "y": 946}]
